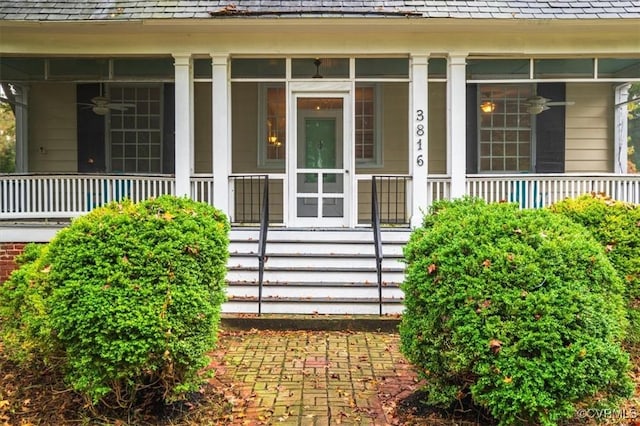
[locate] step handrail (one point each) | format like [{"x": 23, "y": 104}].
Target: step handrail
[
  {"x": 262, "y": 241},
  {"x": 377, "y": 238}
]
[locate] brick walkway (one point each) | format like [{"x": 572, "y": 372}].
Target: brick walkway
[{"x": 312, "y": 378}]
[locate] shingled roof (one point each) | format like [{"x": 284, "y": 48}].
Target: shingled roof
[{"x": 88, "y": 10}]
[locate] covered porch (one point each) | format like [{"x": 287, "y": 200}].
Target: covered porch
[{"x": 312, "y": 133}]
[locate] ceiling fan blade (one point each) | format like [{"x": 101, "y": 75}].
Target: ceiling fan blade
[
  {"x": 561, "y": 103},
  {"x": 117, "y": 107},
  {"x": 537, "y": 100},
  {"x": 537, "y": 109}
]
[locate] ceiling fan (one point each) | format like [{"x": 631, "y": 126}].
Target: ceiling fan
[
  {"x": 101, "y": 105},
  {"x": 538, "y": 104}
]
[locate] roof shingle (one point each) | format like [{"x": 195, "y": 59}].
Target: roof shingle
[{"x": 73, "y": 10}]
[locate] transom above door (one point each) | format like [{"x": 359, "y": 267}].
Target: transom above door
[{"x": 319, "y": 163}]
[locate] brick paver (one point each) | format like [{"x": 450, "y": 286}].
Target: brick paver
[{"x": 312, "y": 378}]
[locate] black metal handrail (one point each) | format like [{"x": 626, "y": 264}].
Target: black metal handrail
[
  {"x": 262, "y": 241},
  {"x": 392, "y": 197},
  {"x": 377, "y": 238}
]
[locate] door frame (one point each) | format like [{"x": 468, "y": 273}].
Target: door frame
[{"x": 317, "y": 89}]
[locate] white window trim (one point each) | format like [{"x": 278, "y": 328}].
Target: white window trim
[
  {"x": 263, "y": 161},
  {"x": 378, "y": 102}
]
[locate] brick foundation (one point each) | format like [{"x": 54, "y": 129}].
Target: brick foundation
[{"x": 8, "y": 253}]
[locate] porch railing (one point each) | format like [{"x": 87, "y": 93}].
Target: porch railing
[
  {"x": 438, "y": 188},
  {"x": 393, "y": 193},
  {"x": 202, "y": 188},
  {"x": 541, "y": 190},
  {"x": 53, "y": 196},
  {"x": 43, "y": 196}
]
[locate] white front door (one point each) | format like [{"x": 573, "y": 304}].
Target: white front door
[{"x": 319, "y": 163}]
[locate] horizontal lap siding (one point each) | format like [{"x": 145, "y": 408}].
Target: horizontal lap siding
[
  {"x": 52, "y": 128},
  {"x": 589, "y": 143}
]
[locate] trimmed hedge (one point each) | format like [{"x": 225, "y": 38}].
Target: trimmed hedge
[
  {"x": 616, "y": 225},
  {"x": 518, "y": 309},
  {"x": 134, "y": 296}
]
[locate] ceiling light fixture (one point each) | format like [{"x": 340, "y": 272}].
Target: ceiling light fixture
[{"x": 487, "y": 106}]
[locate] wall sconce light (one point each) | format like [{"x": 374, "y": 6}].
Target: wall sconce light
[{"x": 487, "y": 106}]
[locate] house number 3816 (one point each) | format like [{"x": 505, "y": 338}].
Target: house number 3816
[{"x": 419, "y": 134}]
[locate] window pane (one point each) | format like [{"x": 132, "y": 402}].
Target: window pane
[
  {"x": 489, "y": 69},
  {"x": 18, "y": 69},
  {"x": 382, "y": 67},
  {"x": 320, "y": 68},
  {"x": 69, "y": 68},
  {"x": 258, "y": 68},
  {"x": 565, "y": 68},
  {"x": 276, "y": 122},
  {"x": 202, "y": 68},
  {"x": 143, "y": 67},
  {"x": 619, "y": 68},
  {"x": 365, "y": 123},
  {"x": 437, "y": 68}
]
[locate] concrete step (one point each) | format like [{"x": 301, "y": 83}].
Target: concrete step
[
  {"x": 314, "y": 260},
  {"x": 286, "y": 274},
  {"x": 289, "y": 290},
  {"x": 309, "y": 271},
  {"x": 317, "y": 322},
  {"x": 328, "y": 247},
  {"x": 325, "y": 306},
  {"x": 331, "y": 235}
]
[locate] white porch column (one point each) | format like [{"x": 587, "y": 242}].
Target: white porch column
[
  {"x": 418, "y": 138},
  {"x": 621, "y": 126},
  {"x": 184, "y": 124},
  {"x": 22, "y": 129},
  {"x": 457, "y": 124},
  {"x": 221, "y": 134}
]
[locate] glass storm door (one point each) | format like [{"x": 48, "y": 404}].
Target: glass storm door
[{"x": 321, "y": 180}]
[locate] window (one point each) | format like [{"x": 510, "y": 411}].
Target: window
[
  {"x": 136, "y": 129},
  {"x": 365, "y": 134},
  {"x": 505, "y": 128},
  {"x": 275, "y": 134}
]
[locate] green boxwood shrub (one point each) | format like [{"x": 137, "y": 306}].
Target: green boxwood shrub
[
  {"x": 518, "y": 309},
  {"x": 616, "y": 225},
  {"x": 133, "y": 297}
]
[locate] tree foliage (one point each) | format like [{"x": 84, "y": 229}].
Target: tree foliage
[{"x": 7, "y": 139}]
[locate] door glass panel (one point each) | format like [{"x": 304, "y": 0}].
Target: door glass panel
[
  {"x": 307, "y": 207},
  {"x": 332, "y": 207},
  {"x": 307, "y": 183},
  {"x": 332, "y": 183}
]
